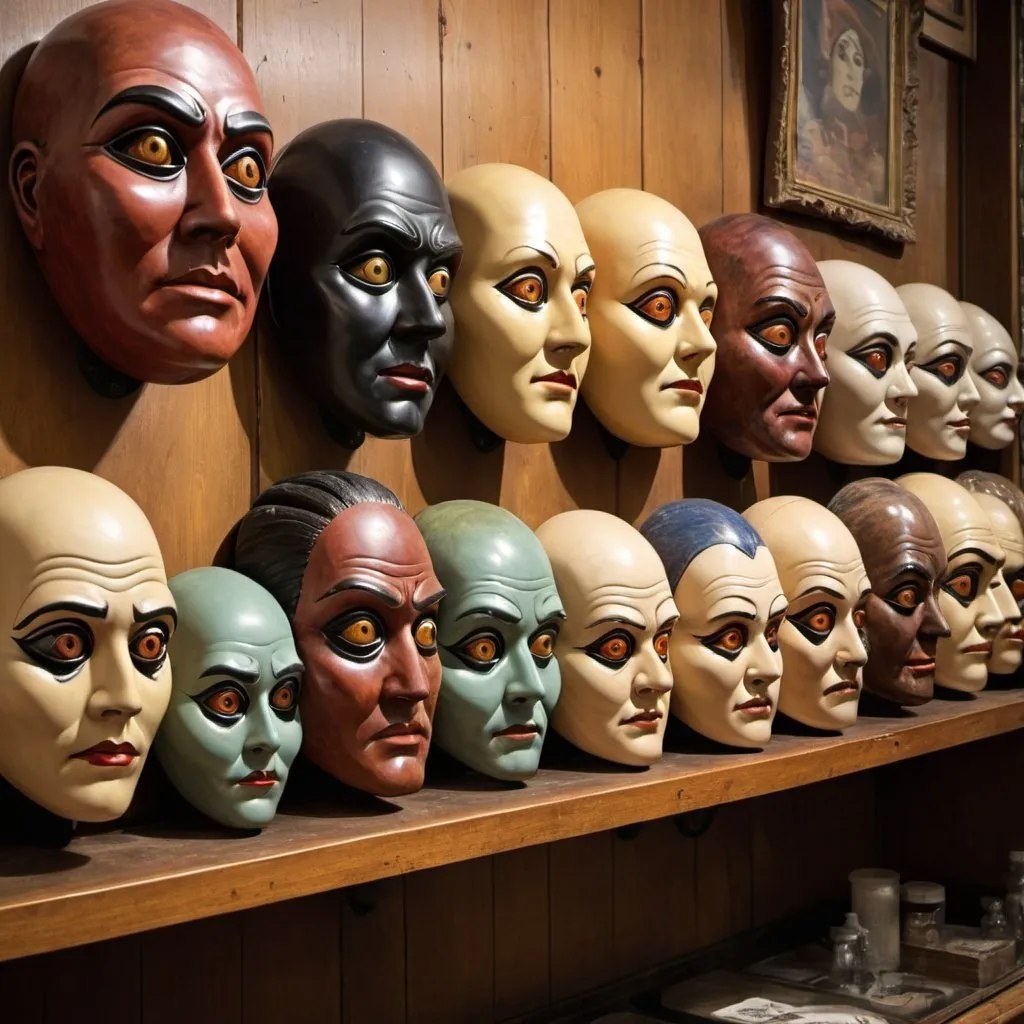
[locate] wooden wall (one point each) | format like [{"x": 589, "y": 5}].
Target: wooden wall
[{"x": 669, "y": 95}]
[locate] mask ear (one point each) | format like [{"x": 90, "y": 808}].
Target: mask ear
[{"x": 24, "y": 176}]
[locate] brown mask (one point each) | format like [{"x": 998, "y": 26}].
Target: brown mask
[
  {"x": 771, "y": 322},
  {"x": 139, "y": 175},
  {"x": 905, "y": 560}
]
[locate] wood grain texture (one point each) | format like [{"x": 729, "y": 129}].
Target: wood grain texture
[
  {"x": 373, "y": 953},
  {"x": 94, "y": 983},
  {"x": 725, "y": 875}
]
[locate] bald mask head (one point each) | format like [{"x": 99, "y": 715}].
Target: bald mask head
[
  {"x": 86, "y": 614},
  {"x": 994, "y": 369},
  {"x": 613, "y": 648},
  {"x": 521, "y": 340}
]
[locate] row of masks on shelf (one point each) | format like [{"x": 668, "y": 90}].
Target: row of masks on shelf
[
  {"x": 339, "y": 625},
  {"x": 140, "y": 174}
]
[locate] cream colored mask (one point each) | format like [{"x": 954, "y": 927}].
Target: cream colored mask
[
  {"x": 85, "y": 616},
  {"x": 862, "y": 414},
  {"x": 973, "y": 596},
  {"x": 613, "y": 647},
  {"x": 521, "y": 335},
  {"x": 724, "y": 649},
  {"x": 939, "y": 416},
  {"x": 993, "y": 368},
  {"x": 826, "y": 585},
  {"x": 651, "y": 357}
]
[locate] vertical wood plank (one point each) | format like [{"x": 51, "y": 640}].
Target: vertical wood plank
[
  {"x": 193, "y": 972},
  {"x": 724, "y": 872},
  {"x": 23, "y": 989},
  {"x": 373, "y": 953},
  {"x": 94, "y": 983},
  {"x": 308, "y": 933},
  {"x": 449, "y": 922},
  {"x": 582, "y": 914}
]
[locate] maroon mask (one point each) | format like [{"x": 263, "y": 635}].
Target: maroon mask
[
  {"x": 139, "y": 174},
  {"x": 905, "y": 559},
  {"x": 771, "y": 321}
]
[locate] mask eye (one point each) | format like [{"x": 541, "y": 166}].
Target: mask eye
[
  {"x": 963, "y": 584},
  {"x": 905, "y": 598},
  {"x": 815, "y": 623},
  {"x": 877, "y": 359},
  {"x": 61, "y": 648},
  {"x": 375, "y": 270},
  {"x": 425, "y": 635},
  {"x": 776, "y": 335},
  {"x": 149, "y": 151},
  {"x": 820, "y": 343},
  {"x": 527, "y": 288},
  {"x": 728, "y": 641},
  {"x": 246, "y": 174},
  {"x": 949, "y": 369},
  {"x": 661, "y": 644},
  {"x": 284, "y": 698},
  {"x": 998, "y": 376},
  {"x": 440, "y": 281},
  {"x": 860, "y": 618},
  {"x": 148, "y": 648},
  {"x": 223, "y": 703},
  {"x": 707, "y": 312},
  {"x": 659, "y": 307},
  {"x": 771, "y": 631},
  {"x": 1017, "y": 589},
  {"x": 481, "y": 650},
  {"x": 613, "y": 649},
  {"x": 580, "y": 294},
  {"x": 358, "y": 635},
  {"x": 542, "y": 644}
]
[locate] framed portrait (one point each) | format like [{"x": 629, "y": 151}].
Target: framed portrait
[
  {"x": 950, "y": 26},
  {"x": 842, "y": 138}
]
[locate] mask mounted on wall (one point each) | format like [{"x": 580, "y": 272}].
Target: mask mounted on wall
[
  {"x": 232, "y": 728},
  {"x": 138, "y": 172},
  {"x": 349, "y": 567},
  {"x": 724, "y": 650},
  {"x": 86, "y": 613},
  {"x": 497, "y": 632},
  {"x": 612, "y": 649},
  {"x": 649, "y": 312},
  {"x": 938, "y": 417},
  {"x": 863, "y": 411},
  {"x": 359, "y": 284},
  {"x": 522, "y": 340},
  {"x": 826, "y": 585},
  {"x": 973, "y": 595},
  {"x": 1003, "y": 503},
  {"x": 994, "y": 370},
  {"x": 771, "y": 323}
]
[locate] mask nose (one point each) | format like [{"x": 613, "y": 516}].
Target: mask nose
[
  {"x": 568, "y": 333},
  {"x": 990, "y": 616},
  {"x": 653, "y": 676},
  {"x": 810, "y": 377},
  {"x": 264, "y": 737},
  {"x": 419, "y": 314},
  {"x": 210, "y": 205},
  {"x": 852, "y": 654},
  {"x": 969, "y": 395},
  {"x": 902, "y": 386},
  {"x": 695, "y": 341},
  {"x": 406, "y": 683},
  {"x": 115, "y": 686},
  {"x": 764, "y": 666},
  {"x": 525, "y": 686}
]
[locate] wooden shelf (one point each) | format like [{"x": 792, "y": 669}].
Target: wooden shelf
[{"x": 127, "y": 881}]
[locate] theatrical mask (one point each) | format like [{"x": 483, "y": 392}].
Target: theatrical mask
[
  {"x": 938, "y": 417},
  {"x": 86, "y": 616},
  {"x": 1003, "y": 503},
  {"x": 139, "y": 172},
  {"x": 232, "y": 728},
  {"x": 350, "y": 569},
  {"x": 973, "y": 595},
  {"x": 612, "y": 649},
  {"x": 771, "y": 324},
  {"x": 520, "y": 302},
  {"x": 826, "y": 585},
  {"x": 359, "y": 284},
  {"x": 649, "y": 312},
  {"x": 724, "y": 649},
  {"x": 993, "y": 368},
  {"x": 497, "y": 632},
  {"x": 863, "y": 411}
]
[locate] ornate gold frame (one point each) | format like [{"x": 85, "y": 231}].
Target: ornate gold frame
[{"x": 781, "y": 189}]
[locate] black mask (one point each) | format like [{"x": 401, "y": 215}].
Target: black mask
[{"x": 359, "y": 282}]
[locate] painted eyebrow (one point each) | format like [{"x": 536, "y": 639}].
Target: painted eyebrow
[
  {"x": 548, "y": 253},
  {"x": 390, "y": 599},
  {"x": 181, "y": 108},
  {"x": 877, "y": 337},
  {"x": 295, "y": 668},
  {"x": 912, "y": 567},
  {"x": 155, "y": 613},
  {"x": 730, "y": 615},
  {"x": 797, "y": 308},
  {"x": 246, "y": 121},
  {"x": 662, "y": 263},
  {"x": 248, "y": 676},
  {"x": 426, "y": 602},
  {"x": 621, "y": 619},
  {"x": 991, "y": 559},
  {"x": 96, "y": 611},
  {"x": 587, "y": 269},
  {"x": 824, "y": 590},
  {"x": 496, "y": 613}
]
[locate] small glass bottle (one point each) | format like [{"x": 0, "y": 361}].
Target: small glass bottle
[
  {"x": 924, "y": 913},
  {"x": 1015, "y": 893},
  {"x": 994, "y": 924}
]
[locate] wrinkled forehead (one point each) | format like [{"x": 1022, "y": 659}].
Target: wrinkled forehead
[
  {"x": 542, "y": 219},
  {"x": 516, "y": 598}
]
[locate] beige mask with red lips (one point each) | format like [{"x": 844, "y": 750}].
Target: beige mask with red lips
[
  {"x": 85, "y": 616},
  {"x": 613, "y": 647},
  {"x": 1008, "y": 646},
  {"x": 521, "y": 337},
  {"x": 825, "y": 582},
  {"x": 938, "y": 417},
  {"x": 652, "y": 354},
  {"x": 993, "y": 368},
  {"x": 972, "y": 591}
]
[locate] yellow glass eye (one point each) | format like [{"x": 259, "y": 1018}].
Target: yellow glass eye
[
  {"x": 374, "y": 270},
  {"x": 528, "y": 288},
  {"x": 283, "y": 698},
  {"x": 859, "y": 618},
  {"x": 580, "y": 297},
  {"x": 961, "y": 585},
  {"x": 661, "y": 642},
  {"x": 426, "y": 634},
  {"x": 542, "y": 646},
  {"x": 997, "y": 376},
  {"x": 732, "y": 639},
  {"x": 906, "y": 597},
  {"x": 150, "y": 646},
  {"x": 706, "y": 315},
  {"x": 615, "y": 649},
  {"x": 660, "y": 307},
  {"x": 224, "y": 702},
  {"x": 246, "y": 171},
  {"x": 361, "y": 633},
  {"x": 821, "y": 621},
  {"x": 68, "y": 646},
  {"x": 778, "y": 334},
  {"x": 483, "y": 648},
  {"x": 1018, "y": 589},
  {"x": 440, "y": 281},
  {"x": 151, "y": 148}
]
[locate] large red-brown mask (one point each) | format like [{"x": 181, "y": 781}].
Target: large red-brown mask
[
  {"x": 366, "y": 631},
  {"x": 771, "y": 322},
  {"x": 139, "y": 174}
]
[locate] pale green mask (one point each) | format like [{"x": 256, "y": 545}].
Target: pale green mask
[
  {"x": 232, "y": 729},
  {"x": 496, "y": 634}
]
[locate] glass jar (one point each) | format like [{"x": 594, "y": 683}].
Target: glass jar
[
  {"x": 875, "y": 899},
  {"x": 924, "y": 913}
]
